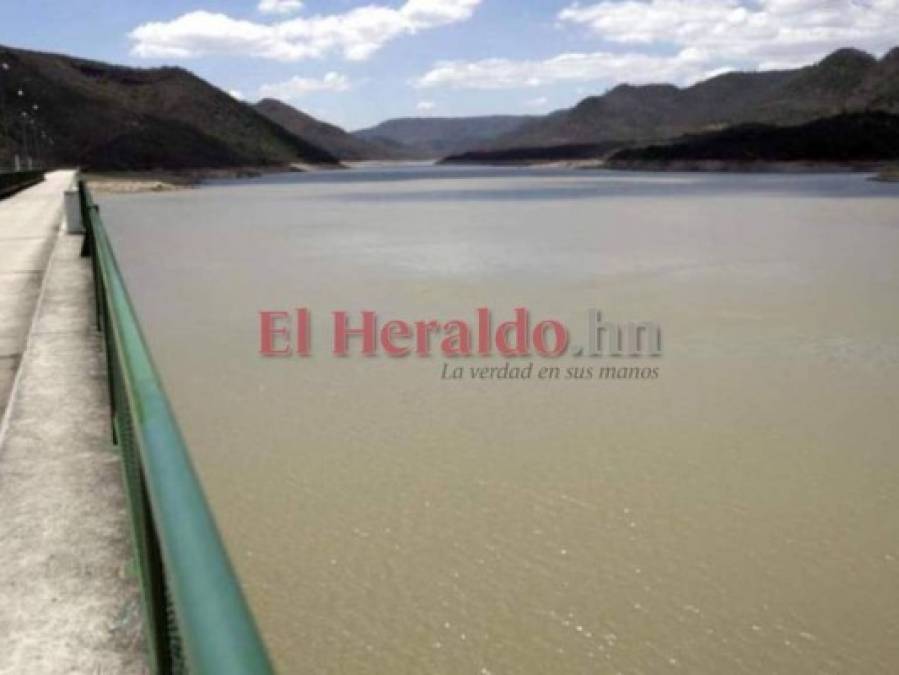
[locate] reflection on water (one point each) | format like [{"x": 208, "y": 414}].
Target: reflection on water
[{"x": 739, "y": 514}]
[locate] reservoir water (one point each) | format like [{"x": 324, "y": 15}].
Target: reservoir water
[{"x": 739, "y": 513}]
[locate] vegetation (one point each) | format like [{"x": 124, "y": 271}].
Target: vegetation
[
  {"x": 106, "y": 117},
  {"x": 847, "y": 138}
]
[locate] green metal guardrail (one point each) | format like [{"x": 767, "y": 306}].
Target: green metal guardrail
[
  {"x": 197, "y": 619},
  {"x": 14, "y": 181}
]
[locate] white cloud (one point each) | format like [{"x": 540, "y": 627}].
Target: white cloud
[
  {"x": 236, "y": 93},
  {"x": 280, "y": 6},
  {"x": 575, "y": 67},
  {"x": 685, "y": 40},
  {"x": 425, "y": 106},
  {"x": 355, "y": 34},
  {"x": 297, "y": 87},
  {"x": 753, "y": 33},
  {"x": 539, "y": 102}
]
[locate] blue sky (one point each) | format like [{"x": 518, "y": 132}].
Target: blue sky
[{"x": 358, "y": 62}]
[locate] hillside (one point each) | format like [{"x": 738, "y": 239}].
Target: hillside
[
  {"x": 106, "y": 117},
  {"x": 847, "y": 80},
  {"x": 330, "y": 137},
  {"x": 431, "y": 137},
  {"x": 841, "y": 139}
]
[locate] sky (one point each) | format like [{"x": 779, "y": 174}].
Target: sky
[{"x": 358, "y": 62}]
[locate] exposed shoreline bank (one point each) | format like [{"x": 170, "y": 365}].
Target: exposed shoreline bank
[
  {"x": 533, "y": 163},
  {"x": 129, "y": 182}
]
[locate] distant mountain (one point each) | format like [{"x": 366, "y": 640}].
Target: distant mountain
[
  {"x": 432, "y": 137},
  {"x": 106, "y": 117},
  {"x": 845, "y": 138},
  {"x": 328, "y": 136},
  {"x": 847, "y": 80}
]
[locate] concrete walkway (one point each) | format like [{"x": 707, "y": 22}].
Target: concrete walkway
[
  {"x": 29, "y": 222},
  {"x": 69, "y": 601}
]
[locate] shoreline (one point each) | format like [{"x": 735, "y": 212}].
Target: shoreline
[
  {"x": 884, "y": 171},
  {"x": 161, "y": 180},
  {"x": 133, "y": 182}
]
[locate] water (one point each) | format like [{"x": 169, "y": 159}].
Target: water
[{"x": 739, "y": 514}]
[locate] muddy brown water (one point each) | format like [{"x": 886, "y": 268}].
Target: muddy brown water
[{"x": 737, "y": 514}]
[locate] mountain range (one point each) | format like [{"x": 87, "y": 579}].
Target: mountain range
[
  {"x": 107, "y": 117},
  {"x": 434, "y": 137},
  {"x": 847, "y": 80}
]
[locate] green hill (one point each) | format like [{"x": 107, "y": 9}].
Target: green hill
[
  {"x": 106, "y": 117},
  {"x": 841, "y": 139}
]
